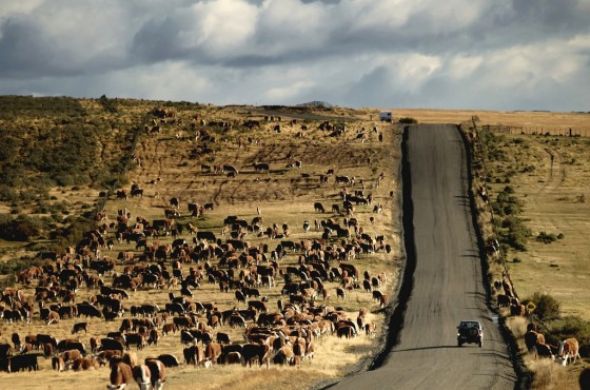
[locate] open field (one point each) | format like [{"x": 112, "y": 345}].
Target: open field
[
  {"x": 555, "y": 202},
  {"x": 169, "y": 163},
  {"x": 515, "y": 122},
  {"x": 537, "y": 187}
]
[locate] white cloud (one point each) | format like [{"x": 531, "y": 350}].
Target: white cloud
[
  {"x": 290, "y": 25},
  {"x": 462, "y": 66},
  {"x": 580, "y": 42},
  {"x": 358, "y": 52},
  {"x": 8, "y": 8},
  {"x": 223, "y": 26},
  {"x": 166, "y": 81},
  {"x": 289, "y": 91}
]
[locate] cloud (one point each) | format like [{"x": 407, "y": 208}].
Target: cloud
[{"x": 484, "y": 53}]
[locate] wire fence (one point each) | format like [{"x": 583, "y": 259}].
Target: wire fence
[{"x": 539, "y": 130}]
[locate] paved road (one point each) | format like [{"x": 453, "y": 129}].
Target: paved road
[{"x": 447, "y": 282}]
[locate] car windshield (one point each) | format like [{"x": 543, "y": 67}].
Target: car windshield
[{"x": 469, "y": 324}]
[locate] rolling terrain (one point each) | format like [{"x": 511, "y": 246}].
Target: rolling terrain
[
  {"x": 179, "y": 150},
  {"x": 174, "y": 155}
]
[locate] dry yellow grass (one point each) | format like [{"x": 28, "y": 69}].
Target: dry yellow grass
[
  {"x": 514, "y": 121},
  {"x": 333, "y": 358},
  {"x": 547, "y": 374},
  {"x": 554, "y": 202},
  {"x": 549, "y": 175}
]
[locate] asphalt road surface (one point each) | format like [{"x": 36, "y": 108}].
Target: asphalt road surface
[{"x": 447, "y": 285}]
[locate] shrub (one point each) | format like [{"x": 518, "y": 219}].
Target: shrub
[
  {"x": 8, "y": 281},
  {"x": 546, "y": 238},
  {"x": 518, "y": 141},
  {"x": 8, "y": 194},
  {"x": 572, "y": 326},
  {"x": 108, "y": 104},
  {"x": 547, "y": 307},
  {"x": 506, "y": 204},
  {"x": 13, "y": 266},
  {"x": 19, "y": 106},
  {"x": 516, "y": 240},
  {"x": 74, "y": 232},
  {"x": 407, "y": 120},
  {"x": 19, "y": 229}
]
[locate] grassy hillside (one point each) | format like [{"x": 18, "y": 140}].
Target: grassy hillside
[
  {"x": 56, "y": 155},
  {"x": 170, "y": 150}
]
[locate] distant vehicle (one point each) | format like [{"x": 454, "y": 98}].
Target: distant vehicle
[
  {"x": 469, "y": 332},
  {"x": 386, "y": 117}
]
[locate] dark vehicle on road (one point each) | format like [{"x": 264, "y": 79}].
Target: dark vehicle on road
[{"x": 469, "y": 332}]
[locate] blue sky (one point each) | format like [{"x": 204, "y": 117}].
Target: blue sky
[{"x": 494, "y": 54}]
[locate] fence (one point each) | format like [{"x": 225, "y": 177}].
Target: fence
[{"x": 539, "y": 130}]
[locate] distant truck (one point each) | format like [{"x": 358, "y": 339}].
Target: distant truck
[{"x": 386, "y": 117}]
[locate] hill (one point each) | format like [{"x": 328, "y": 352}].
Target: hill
[{"x": 194, "y": 201}]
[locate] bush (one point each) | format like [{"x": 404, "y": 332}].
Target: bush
[
  {"x": 19, "y": 106},
  {"x": 8, "y": 194},
  {"x": 21, "y": 228},
  {"x": 7, "y": 281},
  {"x": 516, "y": 240},
  {"x": 546, "y": 238},
  {"x": 108, "y": 104},
  {"x": 506, "y": 204},
  {"x": 518, "y": 141},
  {"x": 515, "y": 233},
  {"x": 407, "y": 120},
  {"x": 547, "y": 307},
  {"x": 73, "y": 233},
  {"x": 572, "y": 326},
  {"x": 11, "y": 267}
]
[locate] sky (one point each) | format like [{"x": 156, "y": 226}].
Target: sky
[{"x": 486, "y": 54}]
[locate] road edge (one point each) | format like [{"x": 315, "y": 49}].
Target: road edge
[
  {"x": 406, "y": 284},
  {"x": 375, "y": 361},
  {"x": 524, "y": 377}
]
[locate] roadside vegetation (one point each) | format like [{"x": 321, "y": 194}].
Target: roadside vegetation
[
  {"x": 407, "y": 120},
  {"x": 530, "y": 195}
]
